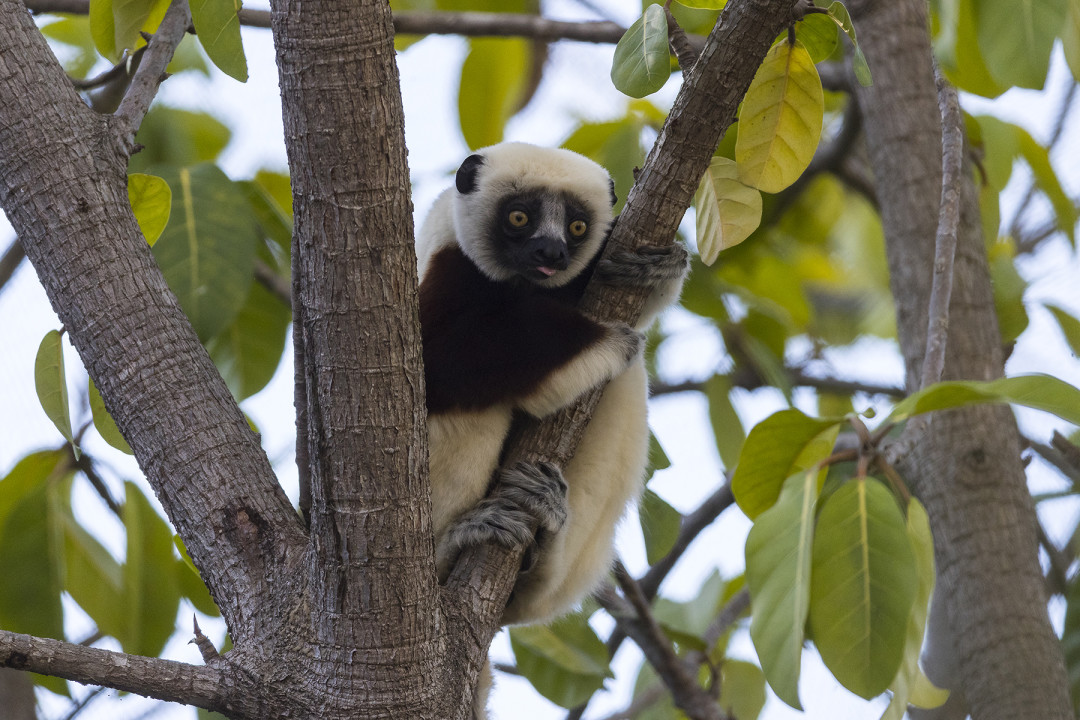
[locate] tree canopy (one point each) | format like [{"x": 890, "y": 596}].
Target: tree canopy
[{"x": 880, "y": 270}]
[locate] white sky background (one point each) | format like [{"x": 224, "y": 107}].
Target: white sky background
[{"x": 576, "y": 85}]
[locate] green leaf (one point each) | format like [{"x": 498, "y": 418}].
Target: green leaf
[
  {"x": 151, "y": 201},
  {"x": 778, "y": 552},
  {"x": 839, "y": 13},
  {"x": 728, "y": 211},
  {"x": 967, "y": 68},
  {"x": 742, "y": 689},
  {"x": 658, "y": 459},
  {"x": 1070, "y": 38},
  {"x": 218, "y": 29},
  {"x": 92, "y": 576},
  {"x": 151, "y": 596},
  {"x": 104, "y": 423},
  {"x": 207, "y": 252},
  {"x": 818, "y": 34},
  {"x": 660, "y": 525},
  {"x": 103, "y": 28},
  {"x": 51, "y": 384},
  {"x": 31, "y": 559},
  {"x": 1016, "y": 37},
  {"x": 565, "y": 661},
  {"x": 1009, "y": 289},
  {"x": 170, "y": 136},
  {"x": 1046, "y": 179},
  {"x": 1042, "y": 392},
  {"x": 190, "y": 582},
  {"x": 1070, "y": 327},
  {"x": 686, "y": 622},
  {"x": 641, "y": 65},
  {"x": 1000, "y": 143},
  {"x": 74, "y": 31},
  {"x": 776, "y": 448},
  {"x": 862, "y": 586},
  {"x": 274, "y": 222},
  {"x": 116, "y": 24},
  {"x": 780, "y": 119},
  {"x": 704, "y": 4},
  {"x": 248, "y": 352},
  {"x": 910, "y": 680},
  {"x": 494, "y": 80},
  {"x": 726, "y": 425}
]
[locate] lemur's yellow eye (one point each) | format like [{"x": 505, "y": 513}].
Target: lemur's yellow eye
[
  {"x": 578, "y": 228},
  {"x": 518, "y": 218}
]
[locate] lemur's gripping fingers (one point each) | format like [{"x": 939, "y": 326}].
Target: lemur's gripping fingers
[
  {"x": 539, "y": 489},
  {"x": 496, "y": 519},
  {"x": 645, "y": 266},
  {"x": 629, "y": 341},
  {"x": 527, "y": 493}
]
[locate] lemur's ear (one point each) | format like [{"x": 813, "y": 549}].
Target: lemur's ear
[{"x": 466, "y": 174}]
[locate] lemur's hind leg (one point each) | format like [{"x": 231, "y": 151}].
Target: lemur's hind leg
[{"x": 527, "y": 494}]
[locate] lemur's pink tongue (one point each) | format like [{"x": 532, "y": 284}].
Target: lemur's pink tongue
[{"x": 546, "y": 270}]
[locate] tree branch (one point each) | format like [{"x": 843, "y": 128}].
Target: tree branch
[
  {"x": 650, "y": 582},
  {"x": 63, "y": 186},
  {"x": 798, "y": 378},
  {"x": 1055, "y": 135},
  {"x": 952, "y": 158},
  {"x": 472, "y": 24},
  {"x": 151, "y": 70},
  {"x": 206, "y": 687},
  {"x": 643, "y": 628}
]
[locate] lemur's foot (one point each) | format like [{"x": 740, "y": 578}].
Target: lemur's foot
[
  {"x": 538, "y": 489},
  {"x": 645, "y": 266},
  {"x": 526, "y": 494}
]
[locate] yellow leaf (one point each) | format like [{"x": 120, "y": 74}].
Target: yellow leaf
[
  {"x": 727, "y": 211},
  {"x": 780, "y": 121}
]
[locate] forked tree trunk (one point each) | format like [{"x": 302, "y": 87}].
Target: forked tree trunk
[{"x": 967, "y": 468}]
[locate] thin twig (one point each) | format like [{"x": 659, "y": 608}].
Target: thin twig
[
  {"x": 472, "y": 24},
  {"x": 1058, "y": 459},
  {"x": 680, "y": 44},
  {"x": 10, "y": 261},
  {"x": 728, "y": 616},
  {"x": 280, "y": 287},
  {"x": 1055, "y": 135},
  {"x": 81, "y": 705},
  {"x": 798, "y": 378},
  {"x": 144, "y": 84},
  {"x": 828, "y": 158},
  {"x": 952, "y": 151},
  {"x": 120, "y": 68},
  {"x": 642, "y": 701},
  {"x": 688, "y": 695},
  {"x": 1058, "y": 577},
  {"x": 86, "y": 465}
]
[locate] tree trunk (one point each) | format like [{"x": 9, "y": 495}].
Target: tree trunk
[{"x": 966, "y": 468}]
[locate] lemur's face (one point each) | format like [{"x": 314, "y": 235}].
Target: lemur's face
[
  {"x": 536, "y": 233},
  {"x": 529, "y": 213}
]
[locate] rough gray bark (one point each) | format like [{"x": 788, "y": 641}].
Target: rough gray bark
[
  {"x": 63, "y": 185},
  {"x": 372, "y": 579},
  {"x": 966, "y": 469}
]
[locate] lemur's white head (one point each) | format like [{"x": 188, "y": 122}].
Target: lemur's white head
[{"x": 539, "y": 214}]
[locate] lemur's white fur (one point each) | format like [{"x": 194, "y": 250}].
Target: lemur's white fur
[{"x": 606, "y": 473}]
